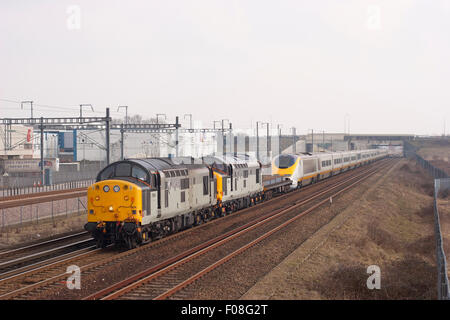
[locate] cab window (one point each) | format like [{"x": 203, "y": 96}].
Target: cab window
[
  {"x": 123, "y": 170},
  {"x": 139, "y": 173},
  {"x": 108, "y": 173}
]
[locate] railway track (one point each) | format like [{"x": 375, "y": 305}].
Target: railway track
[
  {"x": 27, "y": 258},
  {"x": 48, "y": 278},
  {"x": 170, "y": 277}
]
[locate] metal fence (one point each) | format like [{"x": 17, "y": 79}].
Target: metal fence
[
  {"x": 443, "y": 287},
  {"x": 441, "y": 182},
  {"x": 61, "y": 180},
  {"x": 8, "y": 191},
  {"x": 34, "y": 214},
  {"x": 435, "y": 172}
]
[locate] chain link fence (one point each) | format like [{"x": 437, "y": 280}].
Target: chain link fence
[
  {"x": 441, "y": 183},
  {"x": 443, "y": 287}
]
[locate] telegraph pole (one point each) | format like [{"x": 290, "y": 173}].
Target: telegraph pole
[{"x": 108, "y": 120}]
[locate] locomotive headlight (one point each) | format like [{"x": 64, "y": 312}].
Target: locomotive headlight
[
  {"x": 106, "y": 188},
  {"x": 111, "y": 208},
  {"x": 116, "y": 188},
  {"x": 125, "y": 198},
  {"x": 97, "y": 198}
]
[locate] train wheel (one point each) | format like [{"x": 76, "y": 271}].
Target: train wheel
[
  {"x": 131, "y": 242},
  {"x": 101, "y": 243}
]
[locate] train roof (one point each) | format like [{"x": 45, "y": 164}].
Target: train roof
[
  {"x": 156, "y": 164},
  {"x": 225, "y": 159}
]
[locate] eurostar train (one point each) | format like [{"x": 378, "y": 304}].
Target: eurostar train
[{"x": 305, "y": 169}]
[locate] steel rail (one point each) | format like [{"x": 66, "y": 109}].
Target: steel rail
[{"x": 9, "y": 252}]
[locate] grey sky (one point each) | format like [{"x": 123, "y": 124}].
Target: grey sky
[{"x": 298, "y": 63}]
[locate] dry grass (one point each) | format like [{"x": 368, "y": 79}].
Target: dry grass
[{"x": 391, "y": 226}]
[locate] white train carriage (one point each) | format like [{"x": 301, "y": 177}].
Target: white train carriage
[
  {"x": 325, "y": 165},
  {"x": 346, "y": 161},
  {"x": 353, "y": 159},
  {"x": 338, "y": 162}
]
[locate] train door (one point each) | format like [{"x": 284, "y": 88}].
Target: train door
[
  {"x": 158, "y": 188},
  {"x": 230, "y": 170}
]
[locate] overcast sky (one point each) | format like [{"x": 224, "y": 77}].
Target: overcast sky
[{"x": 297, "y": 63}]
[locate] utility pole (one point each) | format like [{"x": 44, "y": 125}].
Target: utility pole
[
  {"x": 108, "y": 121},
  {"x": 323, "y": 140},
  {"x": 267, "y": 139},
  {"x": 176, "y": 136},
  {"x": 190, "y": 119},
  {"x": 31, "y": 104},
  {"x": 41, "y": 127},
  {"x": 81, "y": 109},
  {"x": 279, "y": 138},
  {"x": 122, "y": 135},
  {"x": 224, "y": 149},
  {"x": 233, "y": 147},
  {"x": 257, "y": 141},
  {"x": 126, "y": 112},
  {"x": 160, "y": 114},
  {"x": 294, "y": 140},
  {"x": 121, "y": 141},
  {"x": 192, "y": 146}
]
